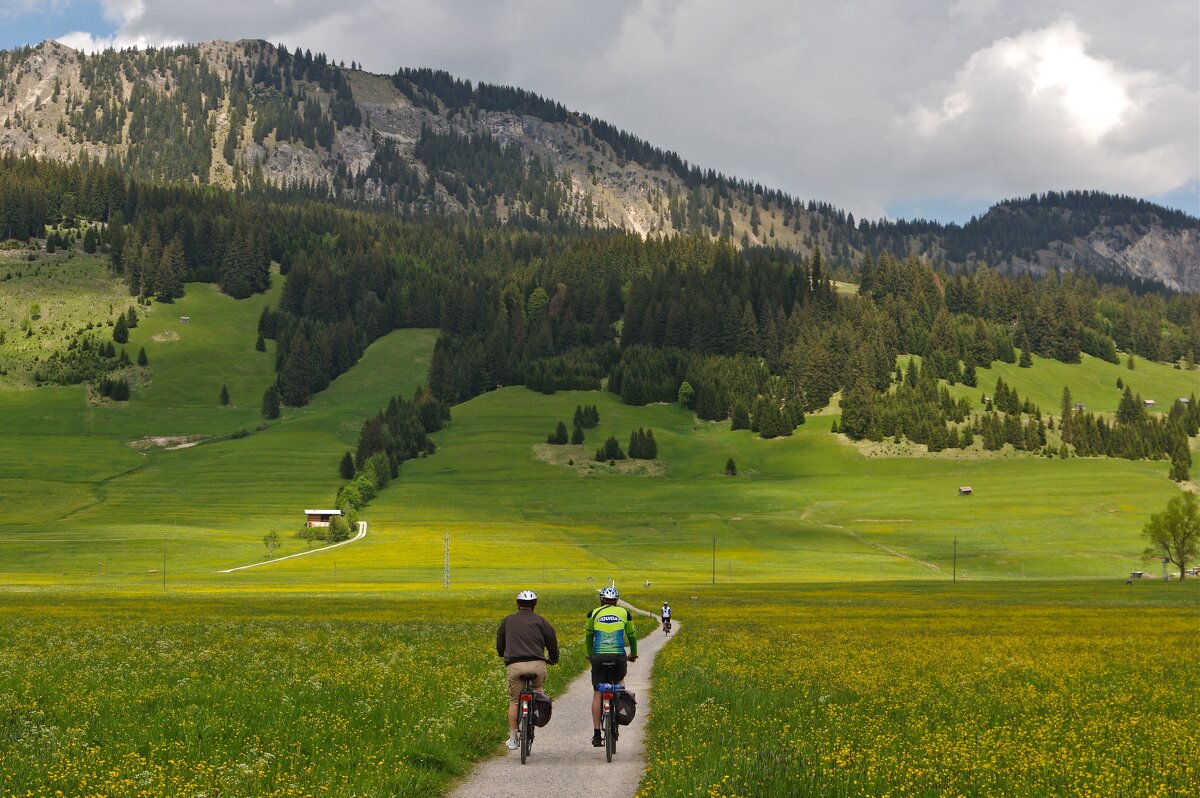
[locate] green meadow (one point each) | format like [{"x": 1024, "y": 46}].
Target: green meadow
[
  {"x": 984, "y": 689},
  {"x": 44, "y": 302},
  {"x": 1093, "y": 382},
  {"x": 96, "y": 493},
  {"x": 92, "y": 490},
  {"x": 820, "y": 576}
]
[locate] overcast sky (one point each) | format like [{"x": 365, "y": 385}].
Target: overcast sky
[{"x": 896, "y": 107}]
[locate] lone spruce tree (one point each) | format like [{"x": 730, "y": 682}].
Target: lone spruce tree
[
  {"x": 121, "y": 330},
  {"x": 270, "y": 404}
]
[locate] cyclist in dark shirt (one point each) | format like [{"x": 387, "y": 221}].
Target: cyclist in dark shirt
[{"x": 528, "y": 643}]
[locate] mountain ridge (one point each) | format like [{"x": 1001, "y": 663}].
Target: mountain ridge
[{"x": 421, "y": 142}]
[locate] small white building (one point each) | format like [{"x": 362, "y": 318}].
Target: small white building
[
  {"x": 1148, "y": 402},
  {"x": 319, "y": 517}
]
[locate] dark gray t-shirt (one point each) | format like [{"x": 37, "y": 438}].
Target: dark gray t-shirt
[{"x": 523, "y": 636}]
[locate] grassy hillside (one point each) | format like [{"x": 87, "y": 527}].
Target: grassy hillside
[
  {"x": 806, "y": 507},
  {"x": 93, "y": 489},
  {"x": 67, "y": 290},
  {"x": 89, "y": 497},
  {"x": 1092, "y": 381}
]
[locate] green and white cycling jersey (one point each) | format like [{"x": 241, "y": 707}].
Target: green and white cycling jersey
[{"x": 610, "y": 629}]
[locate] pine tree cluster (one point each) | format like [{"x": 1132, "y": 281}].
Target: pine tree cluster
[
  {"x": 586, "y": 416},
  {"x": 115, "y": 389},
  {"x": 611, "y": 450},
  {"x": 559, "y": 436},
  {"x": 642, "y": 445}
]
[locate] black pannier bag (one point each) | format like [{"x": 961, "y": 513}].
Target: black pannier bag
[
  {"x": 626, "y": 707},
  {"x": 542, "y": 707}
]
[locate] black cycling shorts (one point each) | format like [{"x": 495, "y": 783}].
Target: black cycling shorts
[{"x": 614, "y": 673}]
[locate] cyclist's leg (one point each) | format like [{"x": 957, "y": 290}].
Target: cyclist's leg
[{"x": 515, "y": 685}]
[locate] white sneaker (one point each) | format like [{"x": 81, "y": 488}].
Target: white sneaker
[{"x": 512, "y": 744}]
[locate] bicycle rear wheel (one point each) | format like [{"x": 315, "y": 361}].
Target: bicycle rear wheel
[
  {"x": 610, "y": 738},
  {"x": 525, "y": 729}
]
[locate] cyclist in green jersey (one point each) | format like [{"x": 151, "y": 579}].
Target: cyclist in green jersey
[{"x": 609, "y": 630}]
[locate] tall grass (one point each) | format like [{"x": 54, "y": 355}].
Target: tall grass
[
  {"x": 927, "y": 690},
  {"x": 289, "y": 695}
]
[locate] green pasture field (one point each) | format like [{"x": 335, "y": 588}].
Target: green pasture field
[
  {"x": 807, "y": 507},
  {"x": 1014, "y": 689},
  {"x": 88, "y": 508},
  {"x": 1092, "y": 382},
  {"x": 89, "y": 499},
  {"x": 70, "y": 290},
  {"x": 266, "y": 695}
]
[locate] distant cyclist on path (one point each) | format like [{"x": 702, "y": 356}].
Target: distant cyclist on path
[
  {"x": 527, "y": 642},
  {"x": 609, "y": 630},
  {"x": 666, "y": 616}
]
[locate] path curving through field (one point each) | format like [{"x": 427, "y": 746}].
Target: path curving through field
[
  {"x": 362, "y": 533},
  {"x": 563, "y": 762}
]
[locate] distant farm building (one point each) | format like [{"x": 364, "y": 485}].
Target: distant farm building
[
  {"x": 1148, "y": 403},
  {"x": 965, "y": 490},
  {"x": 1184, "y": 400},
  {"x": 1080, "y": 406},
  {"x": 319, "y": 517},
  {"x": 184, "y": 319}
]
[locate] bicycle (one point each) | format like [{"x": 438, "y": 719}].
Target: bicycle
[
  {"x": 609, "y": 693},
  {"x": 525, "y": 724},
  {"x": 666, "y": 626}
]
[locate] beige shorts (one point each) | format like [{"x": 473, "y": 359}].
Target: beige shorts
[{"x": 536, "y": 667}]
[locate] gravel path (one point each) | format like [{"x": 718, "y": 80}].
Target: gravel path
[{"x": 563, "y": 762}]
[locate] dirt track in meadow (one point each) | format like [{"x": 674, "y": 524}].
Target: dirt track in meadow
[{"x": 563, "y": 762}]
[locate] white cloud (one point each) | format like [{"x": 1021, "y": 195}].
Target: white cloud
[
  {"x": 86, "y": 42},
  {"x": 1040, "y": 111}
]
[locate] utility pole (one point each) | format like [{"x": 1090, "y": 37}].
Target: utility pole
[
  {"x": 446, "y": 561},
  {"x": 954, "y": 574},
  {"x": 714, "y": 570},
  {"x": 164, "y": 562}
]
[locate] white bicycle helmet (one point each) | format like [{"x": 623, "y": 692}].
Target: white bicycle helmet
[
  {"x": 527, "y": 595},
  {"x": 609, "y": 593}
]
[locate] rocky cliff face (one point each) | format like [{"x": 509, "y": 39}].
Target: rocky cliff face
[{"x": 233, "y": 113}]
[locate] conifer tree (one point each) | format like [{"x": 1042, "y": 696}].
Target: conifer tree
[
  {"x": 346, "y": 467},
  {"x": 121, "y": 330},
  {"x": 224, "y": 395},
  {"x": 142, "y": 360},
  {"x": 740, "y": 416},
  {"x": 577, "y": 434},
  {"x": 1026, "y": 358},
  {"x": 131, "y": 318},
  {"x": 730, "y": 468},
  {"x": 260, "y": 344},
  {"x": 270, "y": 403}
]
